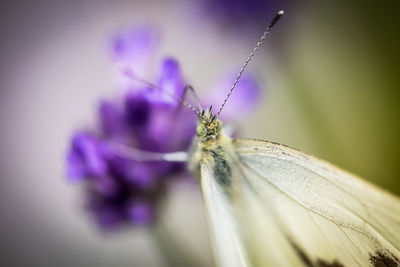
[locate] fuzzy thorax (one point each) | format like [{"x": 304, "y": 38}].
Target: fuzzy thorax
[{"x": 212, "y": 148}]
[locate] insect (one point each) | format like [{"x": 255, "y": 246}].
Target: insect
[{"x": 271, "y": 205}]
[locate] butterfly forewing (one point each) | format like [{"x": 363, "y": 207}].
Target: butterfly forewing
[
  {"x": 228, "y": 245},
  {"x": 243, "y": 234}
]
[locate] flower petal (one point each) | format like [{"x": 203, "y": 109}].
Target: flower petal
[
  {"x": 140, "y": 213},
  {"x": 84, "y": 157},
  {"x": 108, "y": 217},
  {"x": 135, "y": 47},
  {"x": 76, "y": 169},
  {"x": 111, "y": 119},
  {"x": 171, "y": 80},
  {"x": 140, "y": 174},
  {"x": 137, "y": 109},
  {"x": 132, "y": 52},
  {"x": 170, "y": 129},
  {"x": 107, "y": 187}
]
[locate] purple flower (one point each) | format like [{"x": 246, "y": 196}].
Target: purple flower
[
  {"x": 240, "y": 15},
  {"x": 84, "y": 158},
  {"x": 135, "y": 48},
  {"x": 122, "y": 190},
  {"x": 247, "y": 93},
  {"x": 140, "y": 212}
]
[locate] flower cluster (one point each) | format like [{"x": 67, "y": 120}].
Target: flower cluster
[
  {"x": 122, "y": 190},
  {"x": 241, "y": 15}
]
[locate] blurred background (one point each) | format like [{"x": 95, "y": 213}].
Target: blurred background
[{"x": 329, "y": 73}]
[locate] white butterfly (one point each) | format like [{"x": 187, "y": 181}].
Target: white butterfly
[{"x": 271, "y": 205}]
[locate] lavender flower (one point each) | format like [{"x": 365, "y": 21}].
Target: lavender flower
[
  {"x": 240, "y": 15},
  {"x": 120, "y": 190}
]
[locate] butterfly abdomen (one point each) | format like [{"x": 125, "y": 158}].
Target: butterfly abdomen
[
  {"x": 215, "y": 154},
  {"x": 221, "y": 166}
]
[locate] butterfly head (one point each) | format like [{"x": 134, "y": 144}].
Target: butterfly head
[{"x": 209, "y": 127}]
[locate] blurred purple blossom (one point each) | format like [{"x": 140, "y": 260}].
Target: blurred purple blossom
[
  {"x": 120, "y": 190},
  {"x": 240, "y": 15},
  {"x": 247, "y": 92}
]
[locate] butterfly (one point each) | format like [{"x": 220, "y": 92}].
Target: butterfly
[{"x": 272, "y": 205}]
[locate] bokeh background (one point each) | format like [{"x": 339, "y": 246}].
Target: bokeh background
[{"x": 330, "y": 73}]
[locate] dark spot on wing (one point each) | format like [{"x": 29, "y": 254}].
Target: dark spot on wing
[
  {"x": 303, "y": 256},
  {"x": 319, "y": 263},
  {"x": 381, "y": 259}
]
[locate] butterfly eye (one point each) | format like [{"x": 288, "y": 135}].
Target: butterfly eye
[{"x": 201, "y": 130}]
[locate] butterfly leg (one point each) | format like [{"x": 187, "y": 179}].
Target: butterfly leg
[{"x": 146, "y": 156}]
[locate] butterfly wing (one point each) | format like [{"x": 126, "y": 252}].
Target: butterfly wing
[
  {"x": 234, "y": 224},
  {"x": 285, "y": 208},
  {"x": 227, "y": 242}
]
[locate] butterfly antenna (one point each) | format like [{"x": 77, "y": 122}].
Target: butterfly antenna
[
  {"x": 273, "y": 22},
  {"x": 132, "y": 75},
  {"x": 189, "y": 88}
]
